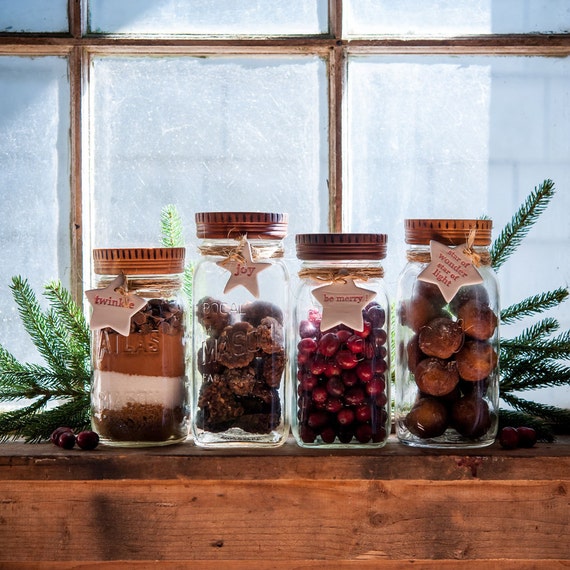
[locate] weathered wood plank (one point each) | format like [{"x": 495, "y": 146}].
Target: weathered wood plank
[
  {"x": 502, "y": 564},
  {"x": 395, "y": 461},
  {"x": 283, "y": 519}
]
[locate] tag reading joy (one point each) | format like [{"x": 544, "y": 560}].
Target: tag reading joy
[
  {"x": 450, "y": 268},
  {"x": 342, "y": 304},
  {"x": 243, "y": 269},
  {"x": 112, "y": 307}
]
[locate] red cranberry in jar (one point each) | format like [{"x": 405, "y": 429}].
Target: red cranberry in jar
[{"x": 341, "y": 318}]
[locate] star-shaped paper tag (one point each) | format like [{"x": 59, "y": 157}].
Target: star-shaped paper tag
[
  {"x": 342, "y": 304},
  {"x": 112, "y": 307},
  {"x": 243, "y": 269},
  {"x": 450, "y": 268}
]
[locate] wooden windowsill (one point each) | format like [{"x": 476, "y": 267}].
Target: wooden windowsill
[{"x": 284, "y": 508}]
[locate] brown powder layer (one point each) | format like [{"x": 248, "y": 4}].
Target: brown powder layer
[{"x": 141, "y": 422}]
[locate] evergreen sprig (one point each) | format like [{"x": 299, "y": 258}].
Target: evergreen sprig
[
  {"x": 58, "y": 392},
  {"x": 172, "y": 235},
  {"x": 534, "y": 358},
  {"x": 526, "y": 216}
]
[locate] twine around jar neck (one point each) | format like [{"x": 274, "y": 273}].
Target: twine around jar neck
[
  {"x": 477, "y": 258},
  {"x": 341, "y": 275},
  {"x": 161, "y": 286},
  {"x": 233, "y": 252}
]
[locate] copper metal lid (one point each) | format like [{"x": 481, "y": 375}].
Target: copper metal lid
[
  {"x": 341, "y": 246},
  {"x": 448, "y": 232},
  {"x": 139, "y": 260},
  {"x": 233, "y": 225}
]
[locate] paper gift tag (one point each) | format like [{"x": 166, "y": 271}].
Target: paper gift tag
[
  {"x": 450, "y": 268},
  {"x": 113, "y": 307},
  {"x": 342, "y": 304},
  {"x": 243, "y": 269}
]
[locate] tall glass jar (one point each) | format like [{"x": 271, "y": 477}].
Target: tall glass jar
[
  {"x": 447, "y": 336},
  {"x": 240, "y": 292},
  {"x": 140, "y": 392},
  {"x": 341, "y": 368}
]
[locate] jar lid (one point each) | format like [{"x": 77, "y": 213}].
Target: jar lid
[
  {"x": 447, "y": 232},
  {"x": 341, "y": 246},
  {"x": 139, "y": 260},
  {"x": 233, "y": 225}
]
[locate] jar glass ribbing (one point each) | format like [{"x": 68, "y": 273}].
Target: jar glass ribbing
[
  {"x": 447, "y": 361},
  {"x": 240, "y": 332},
  {"x": 341, "y": 373},
  {"x": 140, "y": 392}
]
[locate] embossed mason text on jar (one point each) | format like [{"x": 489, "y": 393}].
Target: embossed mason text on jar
[
  {"x": 140, "y": 392},
  {"x": 240, "y": 291}
]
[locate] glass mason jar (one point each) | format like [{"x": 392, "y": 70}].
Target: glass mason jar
[
  {"x": 240, "y": 293},
  {"x": 447, "y": 336},
  {"x": 140, "y": 392},
  {"x": 341, "y": 368}
]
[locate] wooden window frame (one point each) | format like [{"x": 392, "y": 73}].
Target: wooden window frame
[{"x": 333, "y": 47}]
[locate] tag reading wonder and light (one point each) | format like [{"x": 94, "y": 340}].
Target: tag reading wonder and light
[
  {"x": 450, "y": 268},
  {"x": 112, "y": 307},
  {"x": 342, "y": 304},
  {"x": 243, "y": 269}
]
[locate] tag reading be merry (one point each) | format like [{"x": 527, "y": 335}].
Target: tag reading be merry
[
  {"x": 342, "y": 304},
  {"x": 450, "y": 268},
  {"x": 112, "y": 307}
]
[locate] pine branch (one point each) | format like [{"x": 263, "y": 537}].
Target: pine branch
[
  {"x": 557, "y": 347},
  {"x": 533, "y": 305},
  {"x": 171, "y": 227},
  {"x": 543, "y": 373},
  {"x": 36, "y": 324},
  {"x": 172, "y": 235},
  {"x": 514, "y": 232},
  {"x": 551, "y": 413},
  {"x": 535, "y": 333},
  {"x": 73, "y": 413},
  {"x": 68, "y": 315}
]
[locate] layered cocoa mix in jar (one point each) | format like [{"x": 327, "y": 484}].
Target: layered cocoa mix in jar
[
  {"x": 447, "y": 336},
  {"x": 240, "y": 288},
  {"x": 140, "y": 386}
]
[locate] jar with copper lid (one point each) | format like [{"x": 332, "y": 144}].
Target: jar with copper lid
[
  {"x": 240, "y": 292},
  {"x": 341, "y": 368},
  {"x": 140, "y": 389},
  {"x": 447, "y": 336}
]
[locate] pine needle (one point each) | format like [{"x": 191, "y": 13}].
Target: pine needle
[
  {"x": 514, "y": 232},
  {"x": 535, "y": 304},
  {"x": 172, "y": 234}
]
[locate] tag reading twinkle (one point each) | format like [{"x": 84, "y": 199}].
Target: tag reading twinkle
[
  {"x": 243, "y": 269},
  {"x": 342, "y": 304},
  {"x": 450, "y": 268},
  {"x": 112, "y": 307}
]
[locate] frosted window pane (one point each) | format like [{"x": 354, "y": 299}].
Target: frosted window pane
[
  {"x": 222, "y": 17},
  {"x": 454, "y": 17},
  {"x": 463, "y": 137},
  {"x": 34, "y": 183},
  {"x": 206, "y": 134},
  {"x": 33, "y": 16}
]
